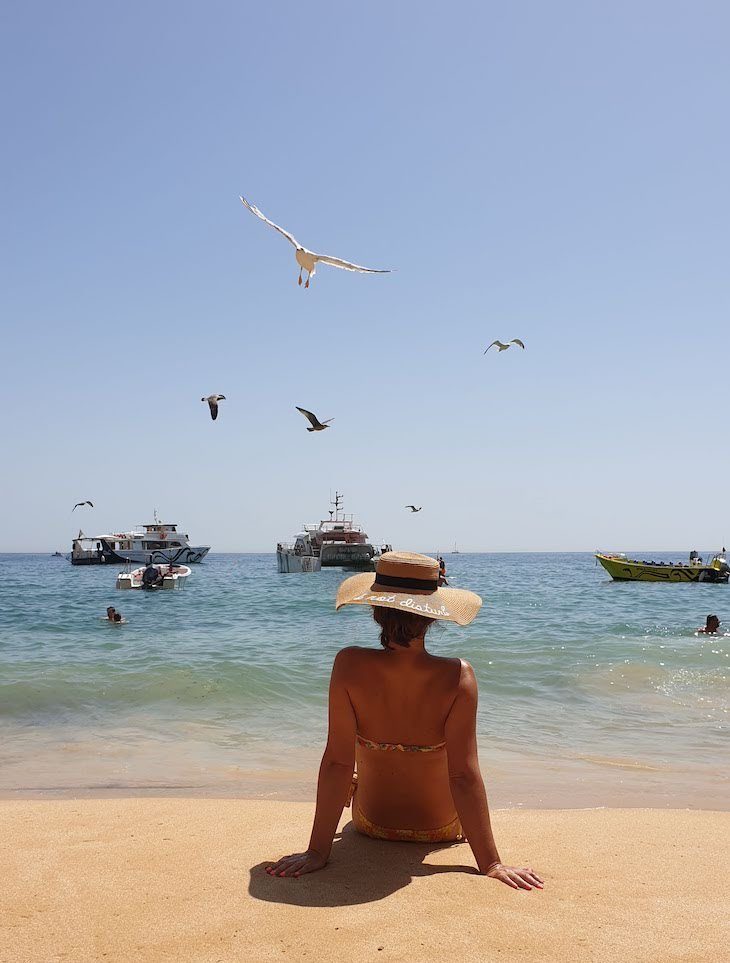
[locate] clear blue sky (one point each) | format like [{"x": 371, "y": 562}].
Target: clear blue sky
[{"x": 556, "y": 172}]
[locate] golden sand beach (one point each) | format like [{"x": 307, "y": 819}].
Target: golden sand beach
[{"x": 161, "y": 879}]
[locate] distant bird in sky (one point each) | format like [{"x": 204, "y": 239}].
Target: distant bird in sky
[
  {"x": 79, "y": 504},
  {"x": 313, "y": 420},
  {"x": 414, "y": 509},
  {"x": 213, "y": 404},
  {"x": 307, "y": 260},
  {"x": 501, "y": 346}
]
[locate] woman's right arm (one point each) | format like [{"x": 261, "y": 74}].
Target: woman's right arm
[
  {"x": 335, "y": 777},
  {"x": 467, "y": 787}
]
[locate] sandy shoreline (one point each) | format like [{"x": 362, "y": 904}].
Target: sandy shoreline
[
  {"x": 182, "y": 879},
  {"x": 31, "y": 770}
]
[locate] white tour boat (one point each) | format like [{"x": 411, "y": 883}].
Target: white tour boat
[
  {"x": 169, "y": 577},
  {"x": 336, "y": 542},
  {"x": 156, "y": 542}
]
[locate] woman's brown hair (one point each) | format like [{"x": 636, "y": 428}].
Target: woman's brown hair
[{"x": 399, "y": 627}]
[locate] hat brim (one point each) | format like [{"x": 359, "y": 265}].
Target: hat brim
[{"x": 444, "y": 603}]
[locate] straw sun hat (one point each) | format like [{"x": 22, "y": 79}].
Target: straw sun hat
[{"x": 410, "y": 583}]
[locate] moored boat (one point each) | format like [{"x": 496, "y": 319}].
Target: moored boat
[
  {"x": 623, "y": 569},
  {"x": 157, "y": 542},
  {"x": 336, "y": 542},
  {"x": 169, "y": 577}
]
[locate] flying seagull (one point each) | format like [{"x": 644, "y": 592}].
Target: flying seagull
[
  {"x": 501, "y": 346},
  {"x": 414, "y": 509},
  {"x": 213, "y": 404},
  {"x": 79, "y": 504},
  {"x": 313, "y": 420},
  {"x": 307, "y": 260}
]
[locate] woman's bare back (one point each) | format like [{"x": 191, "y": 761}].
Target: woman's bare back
[{"x": 402, "y": 699}]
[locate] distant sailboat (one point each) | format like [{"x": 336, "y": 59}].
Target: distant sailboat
[{"x": 455, "y": 550}]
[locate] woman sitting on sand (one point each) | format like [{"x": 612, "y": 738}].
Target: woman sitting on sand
[{"x": 408, "y": 720}]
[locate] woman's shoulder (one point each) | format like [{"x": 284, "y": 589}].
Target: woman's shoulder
[
  {"x": 356, "y": 653},
  {"x": 464, "y": 667},
  {"x": 350, "y": 660}
]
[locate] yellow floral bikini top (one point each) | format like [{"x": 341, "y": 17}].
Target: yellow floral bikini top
[{"x": 395, "y": 746}]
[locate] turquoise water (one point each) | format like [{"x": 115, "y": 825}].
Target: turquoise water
[{"x": 591, "y": 692}]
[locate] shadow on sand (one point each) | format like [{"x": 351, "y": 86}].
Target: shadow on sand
[{"x": 361, "y": 870}]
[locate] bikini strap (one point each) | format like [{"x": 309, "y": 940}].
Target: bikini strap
[{"x": 395, "y": 746}]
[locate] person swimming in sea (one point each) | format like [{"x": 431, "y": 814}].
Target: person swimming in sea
[
  {"x": 113, "y": 616},
  {"x": 711, "y": 626},
  {"x": 402, "y": 742}
]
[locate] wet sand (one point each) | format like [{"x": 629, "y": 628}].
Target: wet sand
[{"x": 166, "y": 879}]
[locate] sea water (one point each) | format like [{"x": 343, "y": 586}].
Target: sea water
[{"x": 592, "y": 692}]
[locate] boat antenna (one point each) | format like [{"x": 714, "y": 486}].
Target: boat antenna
[{"x": 337, "y": 502}]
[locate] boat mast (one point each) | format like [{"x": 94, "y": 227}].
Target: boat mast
[{"x": 337, "y": 502}]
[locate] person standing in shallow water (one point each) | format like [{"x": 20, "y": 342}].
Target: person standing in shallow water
[{"x": 402, "y": 746}]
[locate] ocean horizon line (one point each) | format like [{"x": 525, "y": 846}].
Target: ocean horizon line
[{"x": 476, "y": 551}]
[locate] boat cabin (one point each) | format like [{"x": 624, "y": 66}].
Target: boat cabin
[{"x": 161, "y": 535}]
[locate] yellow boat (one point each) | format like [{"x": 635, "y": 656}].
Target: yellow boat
[{"x": 624, "y": 569}]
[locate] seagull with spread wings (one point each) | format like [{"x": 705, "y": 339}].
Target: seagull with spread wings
[
  {"x": 79, "y": 504},
  {"x": 307, "y": 260},
  {"x": 414, "y": 509},
  {"x": 501, "y": 346},
  {"x": 213, "y": 404},
  {"x": 313, "y": 420}
]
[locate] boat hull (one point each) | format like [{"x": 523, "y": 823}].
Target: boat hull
[
  {"x": 184, "y": 555},
  {"x": 626, "y": 570},
  {"x": 289, "y": 562},
  {"x": 347, "y": 555},
  {"x": 89, "y": 559}
]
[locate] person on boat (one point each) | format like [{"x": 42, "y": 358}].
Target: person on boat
[
  {"x": 151, "y": 575},
  {"x": 711, "y": 626},
  {"x": 407, "y": 720}
]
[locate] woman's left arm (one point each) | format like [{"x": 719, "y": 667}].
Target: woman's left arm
[{"x": 335, "y": 777}]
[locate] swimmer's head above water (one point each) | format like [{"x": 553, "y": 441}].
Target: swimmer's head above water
[{"x": 711, "y": 625}]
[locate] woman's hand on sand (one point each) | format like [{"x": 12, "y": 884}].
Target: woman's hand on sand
[
  {"x": 297, "y": 864},
  {"x": 518, "y": 877}
]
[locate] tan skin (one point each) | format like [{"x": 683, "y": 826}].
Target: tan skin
[
  {"x": 711, "y": 626},
  {"x": 404, "y": 695}
]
